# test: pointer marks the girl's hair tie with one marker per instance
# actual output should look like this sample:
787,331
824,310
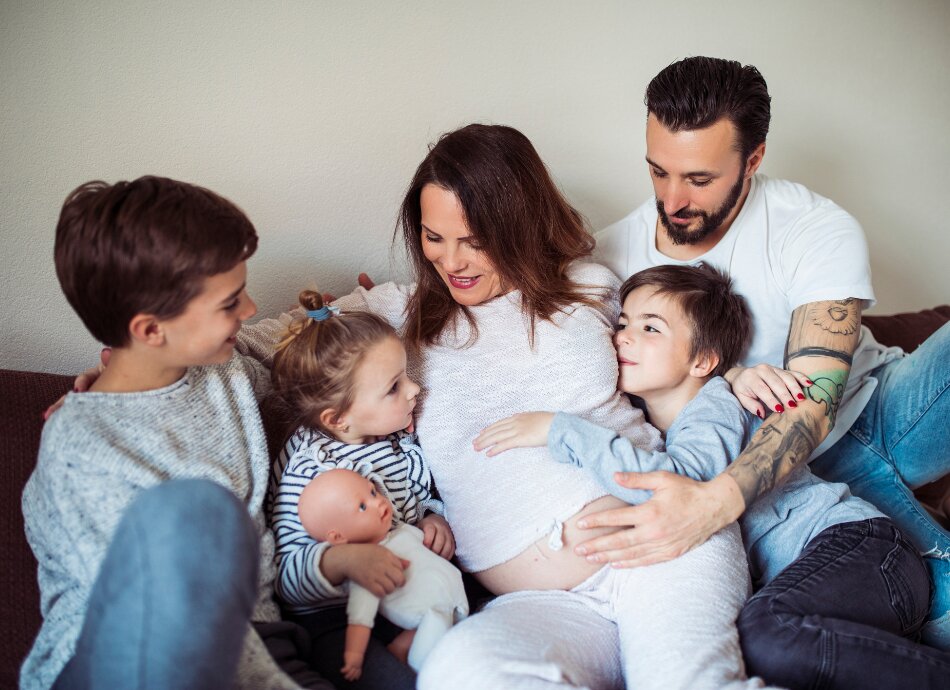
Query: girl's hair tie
323,313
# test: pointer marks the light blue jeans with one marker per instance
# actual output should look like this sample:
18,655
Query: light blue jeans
900,442
171,604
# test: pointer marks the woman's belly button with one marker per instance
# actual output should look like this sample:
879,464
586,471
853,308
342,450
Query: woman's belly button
542,567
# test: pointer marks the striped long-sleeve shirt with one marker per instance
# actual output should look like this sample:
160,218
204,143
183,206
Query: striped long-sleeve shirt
395,463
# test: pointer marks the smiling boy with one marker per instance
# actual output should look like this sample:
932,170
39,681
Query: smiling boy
145,508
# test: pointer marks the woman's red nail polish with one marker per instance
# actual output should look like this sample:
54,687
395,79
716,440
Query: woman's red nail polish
779,408
760,414
792,403
801,397
809,383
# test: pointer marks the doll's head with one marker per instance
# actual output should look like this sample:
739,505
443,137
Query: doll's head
343,507
344,373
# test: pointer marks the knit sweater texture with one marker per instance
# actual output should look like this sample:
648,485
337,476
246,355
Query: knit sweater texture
100,450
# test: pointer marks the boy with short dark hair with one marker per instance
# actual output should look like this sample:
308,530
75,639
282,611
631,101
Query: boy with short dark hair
680,327
145,510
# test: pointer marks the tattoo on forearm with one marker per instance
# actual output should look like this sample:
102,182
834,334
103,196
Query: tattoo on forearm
818,352
827,389
772,454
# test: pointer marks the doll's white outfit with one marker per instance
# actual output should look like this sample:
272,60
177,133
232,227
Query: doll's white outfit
430,602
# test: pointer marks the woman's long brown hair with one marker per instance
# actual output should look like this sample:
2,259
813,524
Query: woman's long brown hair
516,214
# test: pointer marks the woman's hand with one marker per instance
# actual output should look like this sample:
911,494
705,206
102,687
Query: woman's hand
371,566
682,514
764,388
437,535
525,430
84,380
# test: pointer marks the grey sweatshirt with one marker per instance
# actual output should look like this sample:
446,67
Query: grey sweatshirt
100,450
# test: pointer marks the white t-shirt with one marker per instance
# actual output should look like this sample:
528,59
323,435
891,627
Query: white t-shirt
787,247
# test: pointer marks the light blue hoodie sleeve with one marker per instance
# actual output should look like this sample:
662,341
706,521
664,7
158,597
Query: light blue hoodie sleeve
704,438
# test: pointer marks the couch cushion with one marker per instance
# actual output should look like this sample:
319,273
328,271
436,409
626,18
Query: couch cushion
24,397
909,329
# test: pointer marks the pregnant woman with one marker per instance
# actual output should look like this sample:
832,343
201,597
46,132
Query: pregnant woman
505,317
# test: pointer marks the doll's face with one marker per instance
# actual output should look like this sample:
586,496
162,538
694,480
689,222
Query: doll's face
343,507
365,514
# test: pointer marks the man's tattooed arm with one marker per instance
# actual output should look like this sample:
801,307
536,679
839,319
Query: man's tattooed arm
821,342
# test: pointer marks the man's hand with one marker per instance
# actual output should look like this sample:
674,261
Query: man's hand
437,535
682,514
525,430
764,388
363,280
84,380
371,566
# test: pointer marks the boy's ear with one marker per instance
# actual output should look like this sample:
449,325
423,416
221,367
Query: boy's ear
704,364
334,537
146,329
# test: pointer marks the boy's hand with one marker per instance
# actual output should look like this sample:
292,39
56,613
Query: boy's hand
371,566
525,430
437,535
84,380
764,388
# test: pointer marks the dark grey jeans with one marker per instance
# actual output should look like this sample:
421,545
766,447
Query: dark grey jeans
845,615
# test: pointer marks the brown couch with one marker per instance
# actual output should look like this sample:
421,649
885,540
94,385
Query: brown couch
25,395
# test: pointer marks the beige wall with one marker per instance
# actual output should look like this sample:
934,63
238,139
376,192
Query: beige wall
313,115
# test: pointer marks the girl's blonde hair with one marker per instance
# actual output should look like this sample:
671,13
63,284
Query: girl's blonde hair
316,362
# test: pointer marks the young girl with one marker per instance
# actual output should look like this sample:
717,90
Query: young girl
342,377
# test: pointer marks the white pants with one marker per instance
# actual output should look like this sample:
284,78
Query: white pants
665,626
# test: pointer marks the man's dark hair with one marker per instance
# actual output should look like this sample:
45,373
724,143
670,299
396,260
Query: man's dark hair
719,319
143,247
697,92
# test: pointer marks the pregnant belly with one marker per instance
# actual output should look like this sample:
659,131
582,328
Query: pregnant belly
541,567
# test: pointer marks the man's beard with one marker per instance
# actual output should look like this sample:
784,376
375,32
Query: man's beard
679,234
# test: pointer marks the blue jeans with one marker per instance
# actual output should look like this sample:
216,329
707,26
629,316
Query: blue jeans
176,589
900,442
842,614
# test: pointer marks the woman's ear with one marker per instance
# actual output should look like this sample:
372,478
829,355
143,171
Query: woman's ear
704,364
146,329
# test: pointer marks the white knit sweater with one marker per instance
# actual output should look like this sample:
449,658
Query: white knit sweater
498,507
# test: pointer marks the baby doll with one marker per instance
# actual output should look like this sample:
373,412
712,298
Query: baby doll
341,506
